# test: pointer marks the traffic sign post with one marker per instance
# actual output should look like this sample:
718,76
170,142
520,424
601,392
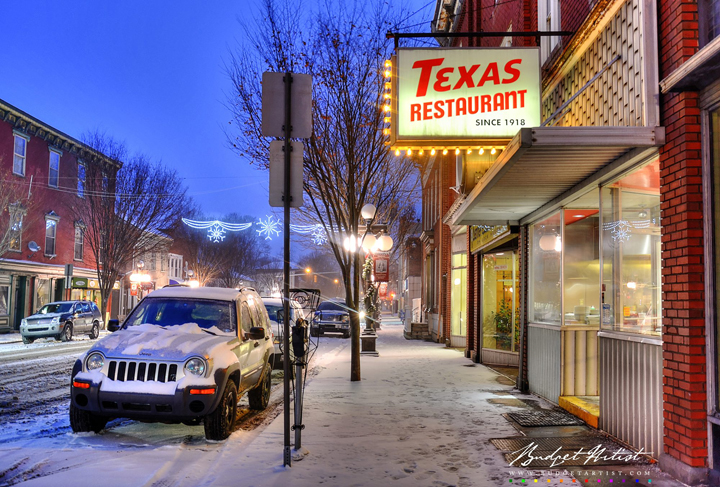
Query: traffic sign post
292,118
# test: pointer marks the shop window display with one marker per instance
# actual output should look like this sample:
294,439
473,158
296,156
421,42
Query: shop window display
581,256
501,317
631,253
458,324
545,271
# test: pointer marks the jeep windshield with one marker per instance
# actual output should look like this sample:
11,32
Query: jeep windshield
175,311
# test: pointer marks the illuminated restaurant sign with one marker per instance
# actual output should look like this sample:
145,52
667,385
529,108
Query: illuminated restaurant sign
464,94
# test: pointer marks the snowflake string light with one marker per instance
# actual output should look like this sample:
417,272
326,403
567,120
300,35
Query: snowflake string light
216,229
216,233
319,236
621,230
269,227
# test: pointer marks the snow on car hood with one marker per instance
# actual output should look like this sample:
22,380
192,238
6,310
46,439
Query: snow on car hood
46,316
167,343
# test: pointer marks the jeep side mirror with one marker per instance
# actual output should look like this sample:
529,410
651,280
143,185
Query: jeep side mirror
256,333
113,325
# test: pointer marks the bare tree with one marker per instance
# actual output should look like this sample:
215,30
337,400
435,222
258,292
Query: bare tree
347,162
15,202
128,203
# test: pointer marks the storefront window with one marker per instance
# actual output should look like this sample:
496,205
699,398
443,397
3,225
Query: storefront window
458,295
715,170
42,292
545,271
501,327
631,253
581,254
4,299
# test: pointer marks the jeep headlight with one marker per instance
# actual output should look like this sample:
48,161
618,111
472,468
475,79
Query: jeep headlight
55,320
95,361
196,366
23,323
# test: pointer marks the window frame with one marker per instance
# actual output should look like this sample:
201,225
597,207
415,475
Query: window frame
23,157
15,210
548,20
81,229
81,181
56,220
58,153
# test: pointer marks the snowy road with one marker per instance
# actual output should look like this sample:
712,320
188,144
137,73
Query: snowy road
34,400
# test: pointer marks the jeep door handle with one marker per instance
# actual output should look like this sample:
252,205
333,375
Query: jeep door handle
257,344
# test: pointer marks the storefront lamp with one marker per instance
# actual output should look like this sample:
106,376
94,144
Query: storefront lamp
369,243
385,243
550,242
368,212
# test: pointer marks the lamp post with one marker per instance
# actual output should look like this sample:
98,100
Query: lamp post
369,242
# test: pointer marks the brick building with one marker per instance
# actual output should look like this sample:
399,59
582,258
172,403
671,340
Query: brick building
48,166
610,207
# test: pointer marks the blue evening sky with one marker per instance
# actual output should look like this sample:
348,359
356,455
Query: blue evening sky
149,73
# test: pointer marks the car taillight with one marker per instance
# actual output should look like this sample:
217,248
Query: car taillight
81,385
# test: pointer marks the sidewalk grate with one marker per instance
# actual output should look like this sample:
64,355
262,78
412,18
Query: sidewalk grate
545,417
578,451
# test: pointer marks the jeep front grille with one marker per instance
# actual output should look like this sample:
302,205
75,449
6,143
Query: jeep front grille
127,370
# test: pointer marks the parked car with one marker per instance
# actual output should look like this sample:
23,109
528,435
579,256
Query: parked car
275,310
61,320
182,355
332,316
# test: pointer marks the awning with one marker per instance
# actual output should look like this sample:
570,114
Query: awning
701,70
543,167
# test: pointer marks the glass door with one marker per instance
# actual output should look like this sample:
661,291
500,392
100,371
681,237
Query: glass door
500,314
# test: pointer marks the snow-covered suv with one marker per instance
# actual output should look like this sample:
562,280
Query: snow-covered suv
182,355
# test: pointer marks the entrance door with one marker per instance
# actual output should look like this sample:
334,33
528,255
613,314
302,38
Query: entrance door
20,305
500,318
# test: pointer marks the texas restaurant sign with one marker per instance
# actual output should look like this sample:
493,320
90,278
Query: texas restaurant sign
461,95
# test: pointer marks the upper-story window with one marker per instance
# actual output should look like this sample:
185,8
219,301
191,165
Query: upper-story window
710,20
16,223
51,222
79,241
81,180
548,20
20,154
54,169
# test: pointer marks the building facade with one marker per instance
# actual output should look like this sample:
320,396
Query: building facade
593,235
46,170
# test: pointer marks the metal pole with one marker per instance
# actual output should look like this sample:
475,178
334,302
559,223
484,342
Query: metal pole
298,404
287,457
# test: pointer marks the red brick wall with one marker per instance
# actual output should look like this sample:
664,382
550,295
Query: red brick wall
684,370
45,199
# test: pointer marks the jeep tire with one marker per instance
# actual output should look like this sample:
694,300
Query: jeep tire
27,340
221,422
259,397
82,421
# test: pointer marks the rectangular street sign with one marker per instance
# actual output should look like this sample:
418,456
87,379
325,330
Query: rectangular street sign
273,105
277,172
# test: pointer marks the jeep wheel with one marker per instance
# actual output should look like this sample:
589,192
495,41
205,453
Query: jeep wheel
313,332
67,333
95,332
221,422
346,334
82,421
259,397
27,340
